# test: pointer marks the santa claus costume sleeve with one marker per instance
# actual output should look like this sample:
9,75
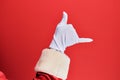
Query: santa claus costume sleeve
54,63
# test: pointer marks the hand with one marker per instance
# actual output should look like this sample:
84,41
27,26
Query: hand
65,35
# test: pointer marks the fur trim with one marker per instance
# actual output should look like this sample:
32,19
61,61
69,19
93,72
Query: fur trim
54,63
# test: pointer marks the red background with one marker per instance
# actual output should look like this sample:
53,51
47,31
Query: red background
27,26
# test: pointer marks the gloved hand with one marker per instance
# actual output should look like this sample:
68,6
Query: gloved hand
65,35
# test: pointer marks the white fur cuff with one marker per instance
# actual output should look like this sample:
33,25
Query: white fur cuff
54,63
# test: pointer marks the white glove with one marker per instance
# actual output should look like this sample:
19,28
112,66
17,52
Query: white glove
65,35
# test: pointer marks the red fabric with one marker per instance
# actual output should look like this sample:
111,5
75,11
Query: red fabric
45,76
2,76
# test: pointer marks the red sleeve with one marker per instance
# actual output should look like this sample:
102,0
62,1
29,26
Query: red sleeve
45,76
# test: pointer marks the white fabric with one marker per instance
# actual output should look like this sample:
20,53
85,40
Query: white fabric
65,35
53,63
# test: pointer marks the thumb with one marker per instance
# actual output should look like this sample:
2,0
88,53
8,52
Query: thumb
84,40
64,18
